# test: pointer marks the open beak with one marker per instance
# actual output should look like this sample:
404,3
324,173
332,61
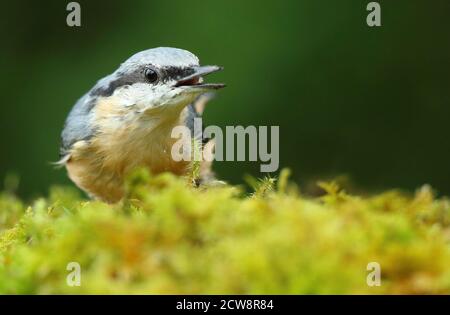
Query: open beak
194,81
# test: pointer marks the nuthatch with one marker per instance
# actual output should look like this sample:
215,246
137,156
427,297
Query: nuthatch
125,120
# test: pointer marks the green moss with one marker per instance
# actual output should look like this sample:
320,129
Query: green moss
168,237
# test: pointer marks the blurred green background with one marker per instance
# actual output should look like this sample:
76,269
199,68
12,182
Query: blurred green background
371,103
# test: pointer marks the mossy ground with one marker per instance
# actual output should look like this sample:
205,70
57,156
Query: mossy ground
169,237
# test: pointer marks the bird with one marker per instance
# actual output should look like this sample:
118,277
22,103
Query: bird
125,120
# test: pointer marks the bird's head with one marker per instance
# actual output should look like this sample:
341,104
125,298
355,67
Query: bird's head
157,80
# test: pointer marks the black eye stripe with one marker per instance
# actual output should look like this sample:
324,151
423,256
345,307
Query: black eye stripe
175,73
164,74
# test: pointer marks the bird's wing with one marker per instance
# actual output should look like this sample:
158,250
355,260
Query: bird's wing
77,126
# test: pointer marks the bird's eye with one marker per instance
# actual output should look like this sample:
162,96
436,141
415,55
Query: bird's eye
151,75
